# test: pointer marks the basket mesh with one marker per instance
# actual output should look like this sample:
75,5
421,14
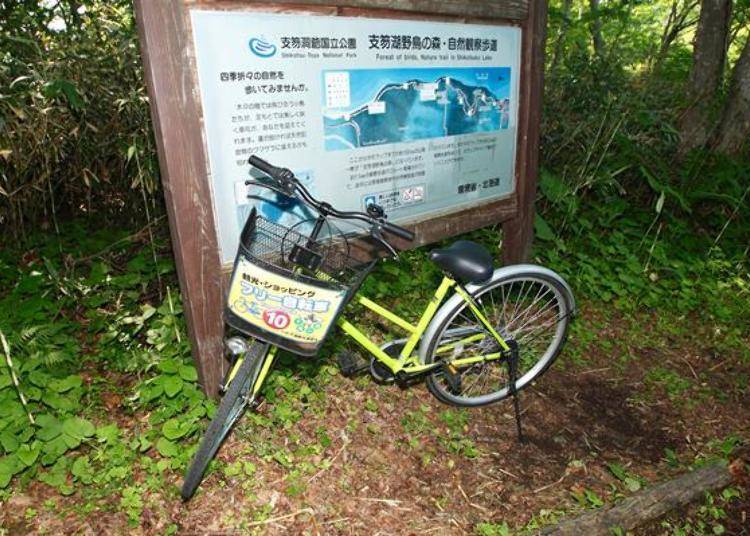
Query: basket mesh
273,243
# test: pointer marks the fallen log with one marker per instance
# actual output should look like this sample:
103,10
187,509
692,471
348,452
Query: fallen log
648,504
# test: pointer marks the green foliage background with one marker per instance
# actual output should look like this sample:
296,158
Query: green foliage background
75,132
88,305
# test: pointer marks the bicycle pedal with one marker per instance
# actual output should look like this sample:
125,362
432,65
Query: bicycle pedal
351,364
453,378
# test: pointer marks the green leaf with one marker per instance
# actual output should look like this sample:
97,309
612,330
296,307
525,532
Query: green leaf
8,467
78,428
81,469
618,471
108,433
70,441
593,498
172,385
8,441
39,378
169,366
28,454
552,187
57,401
65,384
167,448
66,88
53,450
188,373
144,444
5,381
151,392
542,229
56,477
174,429
49,429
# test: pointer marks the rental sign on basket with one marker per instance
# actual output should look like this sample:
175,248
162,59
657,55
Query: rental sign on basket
282,307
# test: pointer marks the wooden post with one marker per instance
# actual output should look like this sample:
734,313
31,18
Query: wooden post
175,110
518,232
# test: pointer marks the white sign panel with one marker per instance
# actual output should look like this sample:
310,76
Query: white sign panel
419,117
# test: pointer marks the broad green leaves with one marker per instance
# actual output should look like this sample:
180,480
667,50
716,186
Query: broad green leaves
172,385
542,230
175,429
188,373
27,454
73,443
167,448
8,467
78,428
49,427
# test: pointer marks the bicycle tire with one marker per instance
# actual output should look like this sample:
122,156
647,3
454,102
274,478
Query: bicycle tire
541,365
230,408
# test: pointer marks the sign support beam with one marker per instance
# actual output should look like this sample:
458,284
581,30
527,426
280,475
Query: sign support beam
518,232
182,162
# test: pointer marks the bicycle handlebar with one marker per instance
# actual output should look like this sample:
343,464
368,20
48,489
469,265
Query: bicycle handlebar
406,234
262,165
285,181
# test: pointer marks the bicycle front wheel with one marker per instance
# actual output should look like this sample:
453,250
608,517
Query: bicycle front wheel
241,392
531,307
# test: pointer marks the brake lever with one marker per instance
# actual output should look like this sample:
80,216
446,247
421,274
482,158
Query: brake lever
377,234
273,187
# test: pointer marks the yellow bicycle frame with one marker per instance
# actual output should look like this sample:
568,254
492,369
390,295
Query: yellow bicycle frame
268,359
407,361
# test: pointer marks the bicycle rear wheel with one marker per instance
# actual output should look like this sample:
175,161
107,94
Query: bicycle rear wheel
241,392
531,307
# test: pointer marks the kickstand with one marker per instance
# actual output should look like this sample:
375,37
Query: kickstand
513,376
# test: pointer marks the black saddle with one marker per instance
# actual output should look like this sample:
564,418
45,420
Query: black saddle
466,261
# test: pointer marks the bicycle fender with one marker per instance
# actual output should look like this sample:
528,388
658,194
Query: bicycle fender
473,288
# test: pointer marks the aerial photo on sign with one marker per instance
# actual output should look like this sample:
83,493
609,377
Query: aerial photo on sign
365,107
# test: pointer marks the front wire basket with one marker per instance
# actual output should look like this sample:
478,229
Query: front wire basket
288,291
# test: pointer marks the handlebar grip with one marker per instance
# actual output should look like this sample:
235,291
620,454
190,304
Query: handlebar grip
406,234
262,165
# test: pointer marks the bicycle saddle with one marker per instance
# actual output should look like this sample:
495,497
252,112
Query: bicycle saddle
466,261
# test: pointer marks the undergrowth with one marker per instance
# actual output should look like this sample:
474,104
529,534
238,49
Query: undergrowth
96,337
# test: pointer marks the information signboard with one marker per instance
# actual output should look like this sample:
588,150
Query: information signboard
418,117
430,108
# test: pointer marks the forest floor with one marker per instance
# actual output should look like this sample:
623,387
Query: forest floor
637,396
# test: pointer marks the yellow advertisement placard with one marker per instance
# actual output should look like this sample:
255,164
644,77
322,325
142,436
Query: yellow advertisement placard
284,307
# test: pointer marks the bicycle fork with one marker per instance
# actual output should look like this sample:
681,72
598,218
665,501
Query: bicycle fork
238,347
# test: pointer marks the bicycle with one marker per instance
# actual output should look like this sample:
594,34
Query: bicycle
499,331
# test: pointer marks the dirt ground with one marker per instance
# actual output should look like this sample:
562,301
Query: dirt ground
397,463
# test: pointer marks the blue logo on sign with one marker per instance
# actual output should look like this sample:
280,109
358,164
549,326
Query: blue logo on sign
262,48
369,200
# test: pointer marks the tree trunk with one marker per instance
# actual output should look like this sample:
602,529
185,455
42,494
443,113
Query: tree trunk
596,29
709,55
734,128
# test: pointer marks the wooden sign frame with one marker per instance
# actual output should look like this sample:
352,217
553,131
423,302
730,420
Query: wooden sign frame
169,60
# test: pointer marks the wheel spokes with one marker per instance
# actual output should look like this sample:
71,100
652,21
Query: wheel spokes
528,310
